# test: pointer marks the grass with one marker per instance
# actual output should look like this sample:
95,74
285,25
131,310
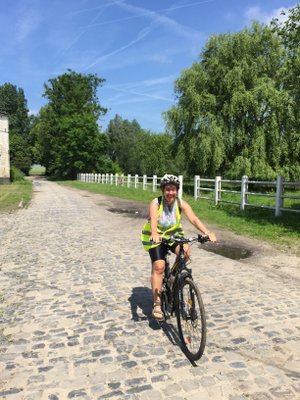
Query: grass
13,194
37,170
253,222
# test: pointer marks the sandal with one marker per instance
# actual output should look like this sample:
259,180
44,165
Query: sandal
158,315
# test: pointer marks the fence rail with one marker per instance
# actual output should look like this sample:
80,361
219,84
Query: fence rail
218,188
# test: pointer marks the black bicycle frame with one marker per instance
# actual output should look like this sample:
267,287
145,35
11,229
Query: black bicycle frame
181,272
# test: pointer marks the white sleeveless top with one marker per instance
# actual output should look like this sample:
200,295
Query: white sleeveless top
168,216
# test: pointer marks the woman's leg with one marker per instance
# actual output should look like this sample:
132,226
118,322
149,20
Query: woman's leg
187,251
158,268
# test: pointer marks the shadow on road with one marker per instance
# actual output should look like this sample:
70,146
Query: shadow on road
141,309
141,305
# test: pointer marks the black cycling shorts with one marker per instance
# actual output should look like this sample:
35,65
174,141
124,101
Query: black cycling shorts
159,252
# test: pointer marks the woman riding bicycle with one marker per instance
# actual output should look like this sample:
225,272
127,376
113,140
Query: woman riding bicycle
164,221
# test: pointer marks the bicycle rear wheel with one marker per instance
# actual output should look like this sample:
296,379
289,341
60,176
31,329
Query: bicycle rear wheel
191,320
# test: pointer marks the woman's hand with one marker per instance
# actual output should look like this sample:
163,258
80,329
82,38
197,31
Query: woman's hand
212,236
155,237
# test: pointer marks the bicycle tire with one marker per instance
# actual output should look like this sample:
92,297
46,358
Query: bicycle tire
191,320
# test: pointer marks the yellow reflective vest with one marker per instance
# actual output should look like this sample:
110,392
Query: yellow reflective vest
162,231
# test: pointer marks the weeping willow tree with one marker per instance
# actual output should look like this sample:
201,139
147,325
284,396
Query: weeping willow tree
233,114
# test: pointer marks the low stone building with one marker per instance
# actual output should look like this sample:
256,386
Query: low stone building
4,149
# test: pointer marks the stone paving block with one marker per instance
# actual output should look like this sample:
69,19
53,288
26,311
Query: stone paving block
75,317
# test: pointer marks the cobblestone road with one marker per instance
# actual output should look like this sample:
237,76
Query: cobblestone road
75,305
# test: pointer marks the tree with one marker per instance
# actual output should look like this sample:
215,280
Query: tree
231,108
138,151
13,101
122,136
153,155
289,34
66,132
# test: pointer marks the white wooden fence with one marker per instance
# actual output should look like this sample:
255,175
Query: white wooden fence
145,182
202,186
276,191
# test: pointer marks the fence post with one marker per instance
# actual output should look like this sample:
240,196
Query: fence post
136,181
217,189
116,179
244,190
128,180
196,180
154,186
180,177
144,182
279,195
111,179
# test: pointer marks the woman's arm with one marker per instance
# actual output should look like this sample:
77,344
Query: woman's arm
194,220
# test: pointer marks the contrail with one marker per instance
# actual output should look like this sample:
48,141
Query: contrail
157,19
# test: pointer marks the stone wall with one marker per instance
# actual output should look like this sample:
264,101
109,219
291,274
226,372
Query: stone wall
4,149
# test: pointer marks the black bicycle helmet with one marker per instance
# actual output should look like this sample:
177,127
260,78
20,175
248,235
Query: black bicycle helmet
169,180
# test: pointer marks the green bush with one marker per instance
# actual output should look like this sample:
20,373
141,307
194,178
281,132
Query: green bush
16,175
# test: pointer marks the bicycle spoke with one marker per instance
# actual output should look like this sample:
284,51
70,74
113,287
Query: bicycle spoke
191,320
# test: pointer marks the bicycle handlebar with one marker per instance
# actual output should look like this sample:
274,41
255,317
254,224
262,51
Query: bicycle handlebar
182,240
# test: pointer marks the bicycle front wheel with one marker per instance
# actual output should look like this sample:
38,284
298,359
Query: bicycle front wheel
191,320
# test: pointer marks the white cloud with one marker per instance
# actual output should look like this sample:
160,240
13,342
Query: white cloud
257,14
33,112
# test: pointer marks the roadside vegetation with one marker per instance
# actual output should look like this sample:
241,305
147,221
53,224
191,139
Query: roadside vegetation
15,195
37,170
257,223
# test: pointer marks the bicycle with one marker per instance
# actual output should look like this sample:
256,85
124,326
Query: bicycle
180,295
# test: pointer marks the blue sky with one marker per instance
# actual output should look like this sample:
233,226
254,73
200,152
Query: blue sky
138,46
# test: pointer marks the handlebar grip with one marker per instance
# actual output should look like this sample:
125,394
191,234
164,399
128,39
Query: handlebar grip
203,238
